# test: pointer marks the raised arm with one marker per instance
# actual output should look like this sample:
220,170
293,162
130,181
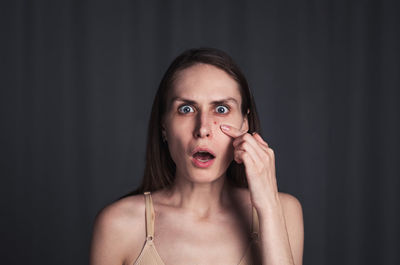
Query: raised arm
280,215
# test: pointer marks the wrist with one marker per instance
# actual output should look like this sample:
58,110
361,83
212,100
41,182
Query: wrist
270,207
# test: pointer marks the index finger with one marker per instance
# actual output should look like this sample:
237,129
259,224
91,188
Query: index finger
231,131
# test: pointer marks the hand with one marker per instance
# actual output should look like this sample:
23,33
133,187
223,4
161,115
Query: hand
259,162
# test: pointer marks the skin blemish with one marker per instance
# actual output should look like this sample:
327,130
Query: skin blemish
215,122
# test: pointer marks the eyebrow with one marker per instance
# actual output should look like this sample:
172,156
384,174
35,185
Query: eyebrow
192,102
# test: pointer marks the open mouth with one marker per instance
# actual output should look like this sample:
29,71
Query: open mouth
203,156
203,159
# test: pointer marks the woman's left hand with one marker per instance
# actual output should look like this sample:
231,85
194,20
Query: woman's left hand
259,162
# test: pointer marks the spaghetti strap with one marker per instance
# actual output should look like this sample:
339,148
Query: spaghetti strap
149,216
255,224
149,253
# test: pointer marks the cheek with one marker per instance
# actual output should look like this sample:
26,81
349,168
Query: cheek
177,145
233,120
177,136
227,150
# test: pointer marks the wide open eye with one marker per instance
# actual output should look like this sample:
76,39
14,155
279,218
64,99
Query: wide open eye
221,109
185,109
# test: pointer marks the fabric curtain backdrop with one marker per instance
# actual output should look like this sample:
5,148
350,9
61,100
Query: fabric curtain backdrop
78,82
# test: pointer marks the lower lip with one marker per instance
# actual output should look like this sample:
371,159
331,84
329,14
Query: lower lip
198,163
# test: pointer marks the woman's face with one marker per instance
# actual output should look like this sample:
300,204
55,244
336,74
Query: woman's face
203,97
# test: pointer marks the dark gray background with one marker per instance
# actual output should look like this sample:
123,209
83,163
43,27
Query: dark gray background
78,82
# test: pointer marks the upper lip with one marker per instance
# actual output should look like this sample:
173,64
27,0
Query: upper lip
204,149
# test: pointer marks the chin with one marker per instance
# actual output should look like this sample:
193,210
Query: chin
203,176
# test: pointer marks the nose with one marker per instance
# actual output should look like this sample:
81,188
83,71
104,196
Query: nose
203,126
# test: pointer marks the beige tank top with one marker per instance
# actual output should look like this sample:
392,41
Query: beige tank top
149,254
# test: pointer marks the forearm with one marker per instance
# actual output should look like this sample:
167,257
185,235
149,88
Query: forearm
274,240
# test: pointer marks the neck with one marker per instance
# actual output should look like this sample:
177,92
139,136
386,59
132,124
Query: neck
201,200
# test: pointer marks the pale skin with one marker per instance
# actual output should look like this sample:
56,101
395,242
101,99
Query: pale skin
201,219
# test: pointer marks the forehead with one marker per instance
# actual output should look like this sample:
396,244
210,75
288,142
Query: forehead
204,82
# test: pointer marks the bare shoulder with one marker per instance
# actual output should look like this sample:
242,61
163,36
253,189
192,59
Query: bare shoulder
293,213
118,231
290,203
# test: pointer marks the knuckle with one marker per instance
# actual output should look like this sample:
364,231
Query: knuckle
246,136
271,151
245,145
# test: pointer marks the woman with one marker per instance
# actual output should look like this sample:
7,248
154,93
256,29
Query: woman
209,180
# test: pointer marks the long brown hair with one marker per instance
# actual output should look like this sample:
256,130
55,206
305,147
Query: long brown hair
159,169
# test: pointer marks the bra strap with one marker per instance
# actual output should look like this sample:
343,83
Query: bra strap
149,216
255,225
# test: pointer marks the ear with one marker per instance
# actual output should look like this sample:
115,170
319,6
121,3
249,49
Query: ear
245,124
163,132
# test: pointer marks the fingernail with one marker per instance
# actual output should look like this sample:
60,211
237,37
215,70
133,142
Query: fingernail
225,127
